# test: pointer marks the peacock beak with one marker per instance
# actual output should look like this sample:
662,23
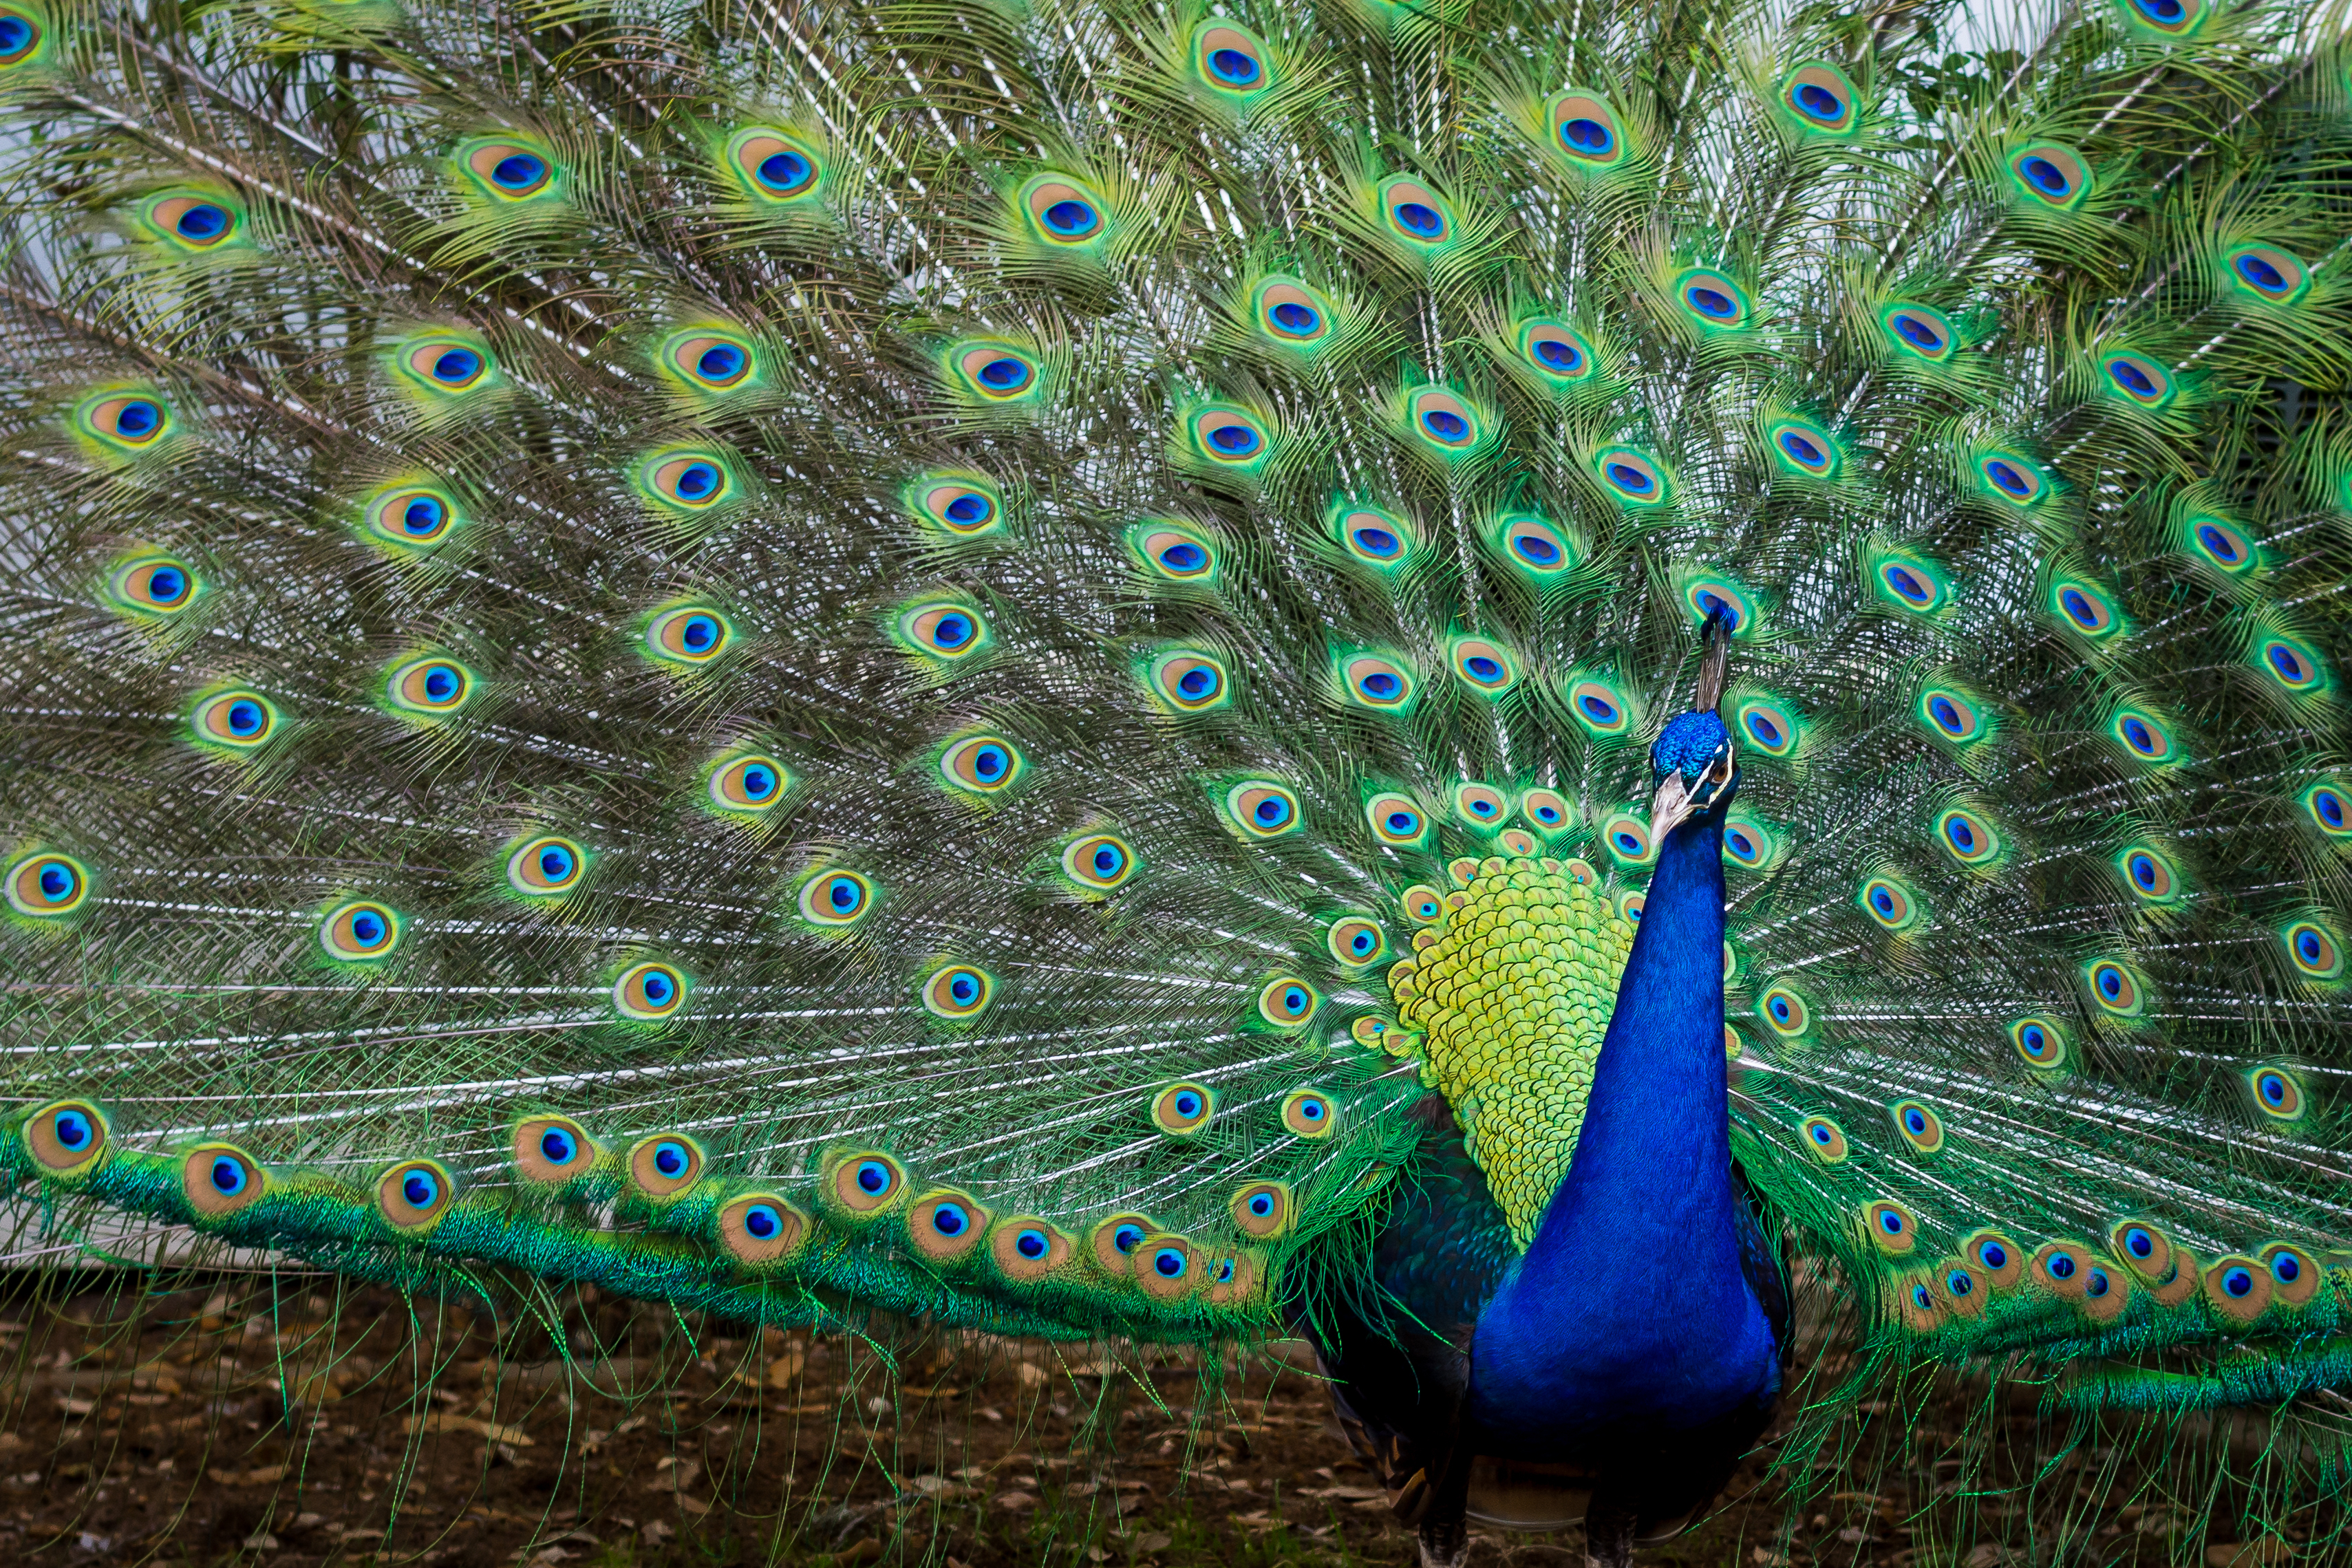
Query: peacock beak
1669,807
1678,797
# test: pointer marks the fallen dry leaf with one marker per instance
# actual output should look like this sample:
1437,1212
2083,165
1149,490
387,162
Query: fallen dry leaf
449,1421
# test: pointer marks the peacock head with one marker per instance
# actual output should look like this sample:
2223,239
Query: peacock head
1691,764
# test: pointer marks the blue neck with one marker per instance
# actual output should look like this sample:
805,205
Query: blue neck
1631,1307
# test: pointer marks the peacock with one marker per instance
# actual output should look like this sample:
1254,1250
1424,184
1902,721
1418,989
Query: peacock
1498,683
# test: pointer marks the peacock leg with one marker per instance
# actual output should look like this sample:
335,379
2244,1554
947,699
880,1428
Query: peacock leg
1444,1543
1608,1535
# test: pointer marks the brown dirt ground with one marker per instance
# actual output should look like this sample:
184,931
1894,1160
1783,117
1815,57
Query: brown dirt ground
275,1423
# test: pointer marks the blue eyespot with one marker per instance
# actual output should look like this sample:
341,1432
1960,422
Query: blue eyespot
137,418
245,717
1418,218
2047,177
696,481
422,517
560,1147
1918,332
2009,479
990,762
1185,556
1959,1281
1188,1104
367,928
456,367
228,1176
758,782
1445,424
1559,355
950,1219
2131,378
1632,480
1198,684
1994,1256
201,222
784,171
1820,102
1127,1237
1007,374
1890,1222
1261,1204
1536,549
1032,1244
761,1222
874,1177
1233,66
17,38
1589,137
2140,1243
1169,1263
2256,270
420,1189
1766,733
2285,1269
964,990
1235,440
2061,1265
2097,1285
2218,544
1916,1122
658,986
2237,1283
1070,216
519,171
1108,860
721,363
671,1160
1380,685
1712,303
1378,543
971,508
1272,811
72,1131
1598,709
1296,318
